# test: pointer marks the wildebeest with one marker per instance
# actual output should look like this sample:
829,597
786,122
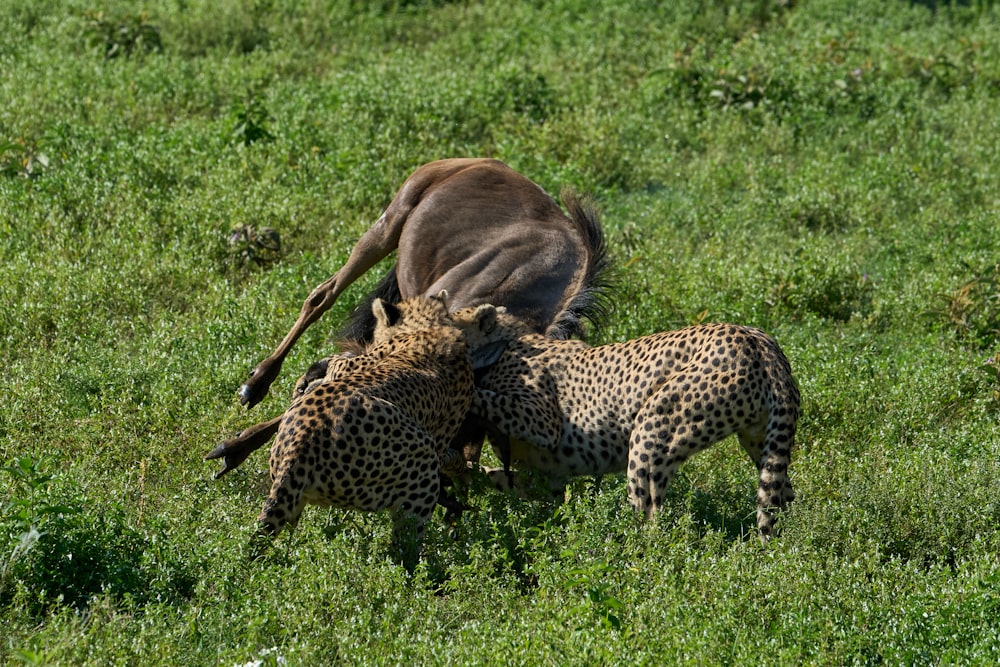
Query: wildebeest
481,231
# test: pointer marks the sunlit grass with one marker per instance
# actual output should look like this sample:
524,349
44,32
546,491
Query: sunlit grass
827,171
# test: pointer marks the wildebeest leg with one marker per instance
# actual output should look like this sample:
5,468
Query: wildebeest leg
374,245
381,239
235,451
452,504
465,448
501,445
469,441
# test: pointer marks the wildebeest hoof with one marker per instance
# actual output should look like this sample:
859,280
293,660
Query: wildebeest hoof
248,397
257,385
235,451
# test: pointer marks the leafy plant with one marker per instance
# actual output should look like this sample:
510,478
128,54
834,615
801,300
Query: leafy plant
944,71
125,35
23,515
972,309
832,292
739,91
17,158
65,552
992,367
260,246
604,606
523,91
250,118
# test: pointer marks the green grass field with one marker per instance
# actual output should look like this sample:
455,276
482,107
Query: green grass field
826,170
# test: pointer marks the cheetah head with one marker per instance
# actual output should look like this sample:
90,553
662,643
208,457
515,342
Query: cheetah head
416,314
488,330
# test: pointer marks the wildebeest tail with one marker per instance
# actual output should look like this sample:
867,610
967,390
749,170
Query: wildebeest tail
592,301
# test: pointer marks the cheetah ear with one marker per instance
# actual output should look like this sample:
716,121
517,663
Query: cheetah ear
442,296
386,314
486,318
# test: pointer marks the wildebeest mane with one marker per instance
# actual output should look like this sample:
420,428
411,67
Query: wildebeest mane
361,322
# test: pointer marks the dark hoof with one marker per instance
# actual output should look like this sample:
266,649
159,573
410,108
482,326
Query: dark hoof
251,395
257,385
235,451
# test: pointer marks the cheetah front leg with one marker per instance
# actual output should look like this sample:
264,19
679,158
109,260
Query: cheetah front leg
409,519
531,417
285,503
527,416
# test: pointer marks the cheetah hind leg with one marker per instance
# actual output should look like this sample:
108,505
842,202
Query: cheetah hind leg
769,450
658,447
409,519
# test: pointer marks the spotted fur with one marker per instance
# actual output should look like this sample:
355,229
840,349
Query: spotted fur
371,434
643,406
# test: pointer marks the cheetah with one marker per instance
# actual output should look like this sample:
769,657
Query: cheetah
642,406
356,357
370,434
235,450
